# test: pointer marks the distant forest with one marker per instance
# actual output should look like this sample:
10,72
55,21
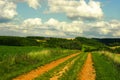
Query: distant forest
110,41
79,43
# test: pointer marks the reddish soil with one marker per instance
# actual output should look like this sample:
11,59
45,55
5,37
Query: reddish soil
40,70
57,75
88,71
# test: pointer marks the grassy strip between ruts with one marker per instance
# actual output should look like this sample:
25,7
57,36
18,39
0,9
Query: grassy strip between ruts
19,60
72,73
105,68
57,69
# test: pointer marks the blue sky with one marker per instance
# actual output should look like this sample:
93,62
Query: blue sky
60,18
111,9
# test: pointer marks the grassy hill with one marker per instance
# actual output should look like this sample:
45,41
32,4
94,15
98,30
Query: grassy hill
110,41
79,43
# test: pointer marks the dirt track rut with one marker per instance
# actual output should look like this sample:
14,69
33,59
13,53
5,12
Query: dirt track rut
64,69
88,71
40,70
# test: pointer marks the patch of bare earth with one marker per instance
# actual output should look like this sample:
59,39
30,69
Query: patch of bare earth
57,75
88,71
40,70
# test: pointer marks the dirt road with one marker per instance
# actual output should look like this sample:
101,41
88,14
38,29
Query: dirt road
40,70
58,74
88,71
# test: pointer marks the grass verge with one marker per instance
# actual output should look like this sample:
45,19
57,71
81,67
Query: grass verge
105,68
114,57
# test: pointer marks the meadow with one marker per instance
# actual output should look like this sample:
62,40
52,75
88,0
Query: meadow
16,60
66,58
106,66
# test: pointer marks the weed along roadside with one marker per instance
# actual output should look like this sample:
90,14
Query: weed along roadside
35,73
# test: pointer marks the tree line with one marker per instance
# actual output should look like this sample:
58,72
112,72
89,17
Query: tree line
79,43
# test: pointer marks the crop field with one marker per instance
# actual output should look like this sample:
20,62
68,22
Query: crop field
38,63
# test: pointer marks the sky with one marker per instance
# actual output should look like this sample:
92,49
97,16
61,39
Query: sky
60,18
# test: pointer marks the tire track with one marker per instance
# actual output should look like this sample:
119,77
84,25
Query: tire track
65,68
88,71
40,70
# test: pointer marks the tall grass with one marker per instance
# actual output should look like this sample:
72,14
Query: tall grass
114,57
18,60
105,68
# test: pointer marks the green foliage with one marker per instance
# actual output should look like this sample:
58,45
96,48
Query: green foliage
88,41
105,68
63,43
117,50
90,44
77,43
110,41
36,37
17,41
18,60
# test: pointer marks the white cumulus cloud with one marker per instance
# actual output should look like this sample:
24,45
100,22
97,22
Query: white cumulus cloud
32,22
75,26
7,10
56,28
29,24
52,22
33,3
76,9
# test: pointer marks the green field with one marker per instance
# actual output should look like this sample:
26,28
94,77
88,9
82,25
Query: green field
18,60
15,61
106,68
